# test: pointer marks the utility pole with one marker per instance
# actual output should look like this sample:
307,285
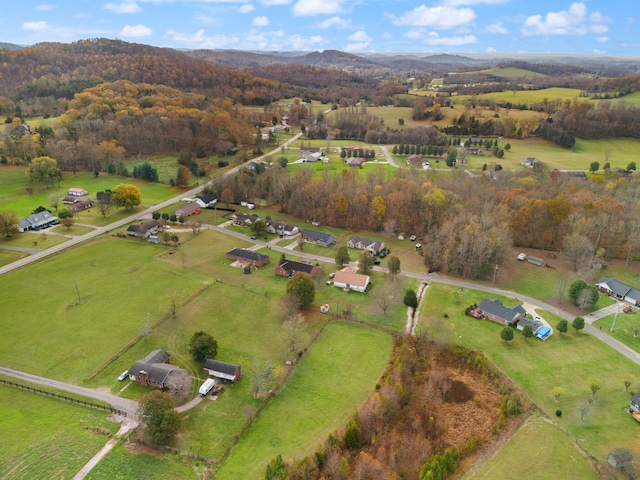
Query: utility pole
77,291
615,317
495,272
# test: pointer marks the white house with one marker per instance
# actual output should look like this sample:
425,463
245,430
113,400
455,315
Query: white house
349,280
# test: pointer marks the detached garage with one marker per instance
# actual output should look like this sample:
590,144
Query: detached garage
223,370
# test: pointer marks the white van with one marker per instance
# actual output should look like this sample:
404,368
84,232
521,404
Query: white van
207,386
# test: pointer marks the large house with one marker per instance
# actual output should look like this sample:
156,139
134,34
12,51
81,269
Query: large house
37,221
311,155
77,192
415,159
143,230
496,311
354,161
619,290
282,228
248,257
79,205
207,200
348,280
288,268
319,238
155,370
361,243
244,219
223,370
188,209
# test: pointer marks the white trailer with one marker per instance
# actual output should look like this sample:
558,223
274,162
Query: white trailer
207,386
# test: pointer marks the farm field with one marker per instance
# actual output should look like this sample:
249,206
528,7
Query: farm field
43,437
511,72
533,365
530,457
37,240
14,196
337,374
527,97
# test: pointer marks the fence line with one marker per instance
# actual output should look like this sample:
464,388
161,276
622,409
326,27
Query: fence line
64,397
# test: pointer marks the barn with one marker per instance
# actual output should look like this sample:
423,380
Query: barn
223,370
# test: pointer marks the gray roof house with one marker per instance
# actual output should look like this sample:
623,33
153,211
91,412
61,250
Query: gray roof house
37,221
496,311
248,256
143,230
614,288
207,200
223,370
361,243
154,370
319,238
281,228
244,219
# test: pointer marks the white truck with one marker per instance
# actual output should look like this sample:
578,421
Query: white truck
207,386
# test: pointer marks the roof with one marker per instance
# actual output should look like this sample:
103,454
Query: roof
224,369
157,356
189,208
616,287
367,242
318,236
415,158
80,204
636,399
247,254
77,190
156,372
144,227
293,266
494,307
37,219
208,198
244,217
284,227
350,278
354,161
535,326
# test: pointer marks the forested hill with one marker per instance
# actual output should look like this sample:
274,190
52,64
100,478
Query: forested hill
48,69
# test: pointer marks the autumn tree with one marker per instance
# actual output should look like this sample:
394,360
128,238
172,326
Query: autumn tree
161,422
108,151
43,170
378,209
587,297
202,345
126,195
303,286
227,197
342,256
8,223
578,248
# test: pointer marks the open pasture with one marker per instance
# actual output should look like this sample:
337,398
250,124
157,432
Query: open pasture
510,72
335,376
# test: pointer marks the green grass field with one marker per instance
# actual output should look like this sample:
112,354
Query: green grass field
43,437
14,196
119,464
511,72
539,450
526,97
36,240
625,329
337,374
571,361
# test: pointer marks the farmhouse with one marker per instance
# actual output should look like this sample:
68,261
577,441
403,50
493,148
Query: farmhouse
77,192
288,268
143,230
282,228
306,156
69,199
530,162
494,310
248,257
37,221
223,370
244,219
362,243
155,370
614,288
81,205
319,238
348,280
191,208
415,159
473,151
207,201
354,161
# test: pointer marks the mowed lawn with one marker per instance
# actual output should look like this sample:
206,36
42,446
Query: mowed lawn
336,375
14,184
572,361
539,450
43,437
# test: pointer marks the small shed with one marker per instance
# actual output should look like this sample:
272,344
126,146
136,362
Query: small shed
154,239
535,261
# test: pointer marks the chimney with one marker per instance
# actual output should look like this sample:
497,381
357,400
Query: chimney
143,377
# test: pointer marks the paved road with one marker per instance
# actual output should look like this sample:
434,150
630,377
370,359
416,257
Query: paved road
30,251
388,156
129,406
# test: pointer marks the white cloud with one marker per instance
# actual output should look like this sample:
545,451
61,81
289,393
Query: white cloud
246,8
124,7
386,36
496,28
317,7
135,31
35,26
491,50
441,17
197,37
465,3
275,2
46,7
415,34
254,40
335,22
574,21
260,21
602,39
359,41
433,39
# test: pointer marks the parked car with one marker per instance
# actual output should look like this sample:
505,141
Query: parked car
123,375
412,238
418,246
332,274
537,319
522,256
628,309
253,237
376,262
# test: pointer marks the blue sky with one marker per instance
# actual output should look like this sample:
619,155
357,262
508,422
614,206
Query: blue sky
452,26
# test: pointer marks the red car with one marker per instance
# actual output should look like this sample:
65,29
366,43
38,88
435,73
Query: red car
628,309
